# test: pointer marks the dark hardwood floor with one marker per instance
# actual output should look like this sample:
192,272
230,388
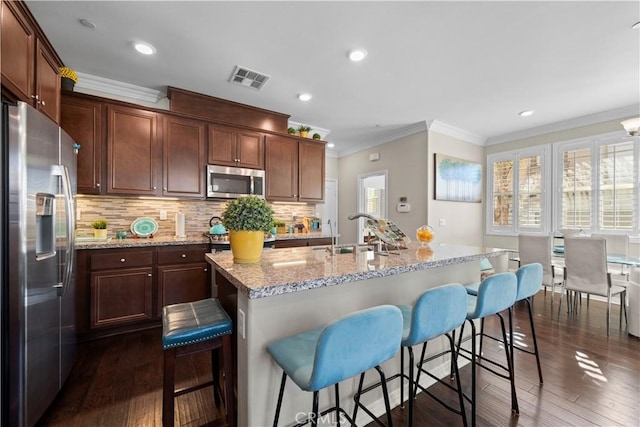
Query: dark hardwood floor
589,379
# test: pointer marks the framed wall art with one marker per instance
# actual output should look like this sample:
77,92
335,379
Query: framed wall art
457,180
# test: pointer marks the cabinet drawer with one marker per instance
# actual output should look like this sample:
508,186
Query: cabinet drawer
121,259
186,254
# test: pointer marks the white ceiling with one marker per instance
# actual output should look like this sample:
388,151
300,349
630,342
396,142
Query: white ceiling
468,65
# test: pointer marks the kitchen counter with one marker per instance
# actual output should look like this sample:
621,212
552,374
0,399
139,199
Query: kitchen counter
296,289
297,269
132,242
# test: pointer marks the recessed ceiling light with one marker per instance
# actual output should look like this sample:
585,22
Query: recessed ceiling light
87,23
357,54
331,145
636,25
144,48
305,97
526,113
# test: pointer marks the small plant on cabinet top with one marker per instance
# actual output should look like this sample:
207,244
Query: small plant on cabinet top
250,213
316,136
99,224
291,131
69,73
303,128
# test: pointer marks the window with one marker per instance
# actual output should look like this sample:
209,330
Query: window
518,183
599,185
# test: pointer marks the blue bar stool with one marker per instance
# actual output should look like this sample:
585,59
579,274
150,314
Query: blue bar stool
190,328
437,312
495,294
530,278
348,346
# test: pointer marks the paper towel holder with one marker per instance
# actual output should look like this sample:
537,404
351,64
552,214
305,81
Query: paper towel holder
180,226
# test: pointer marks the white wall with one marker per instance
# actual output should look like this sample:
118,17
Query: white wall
406,161
464,221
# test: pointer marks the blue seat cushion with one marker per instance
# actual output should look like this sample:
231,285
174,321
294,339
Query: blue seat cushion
192,322
346,347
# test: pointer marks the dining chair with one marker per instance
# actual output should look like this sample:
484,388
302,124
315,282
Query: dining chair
586,272
617,244
537,249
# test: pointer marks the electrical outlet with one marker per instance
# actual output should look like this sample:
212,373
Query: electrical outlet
241,324
163,214
442,222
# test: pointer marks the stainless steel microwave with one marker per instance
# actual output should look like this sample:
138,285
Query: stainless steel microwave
227,182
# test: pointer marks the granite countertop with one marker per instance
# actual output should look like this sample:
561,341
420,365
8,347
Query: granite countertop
282,271
131,242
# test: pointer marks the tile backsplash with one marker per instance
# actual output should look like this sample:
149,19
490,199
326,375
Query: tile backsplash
120,212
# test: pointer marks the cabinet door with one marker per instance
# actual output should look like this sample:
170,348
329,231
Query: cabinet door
182,283
250,149
133,152
121,296
82,120
47,83
183,157
222,145
281,168
311,158
17,41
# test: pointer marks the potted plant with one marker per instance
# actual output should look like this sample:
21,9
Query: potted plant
280,226
68,78
291,131
316,136
303,130
100,228
247,219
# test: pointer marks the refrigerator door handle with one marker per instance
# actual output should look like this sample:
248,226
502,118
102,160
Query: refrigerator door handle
63,171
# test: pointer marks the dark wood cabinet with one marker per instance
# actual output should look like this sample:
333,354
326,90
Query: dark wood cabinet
311,170
82,120
184,160
296,243
133,151
30,67
121,287
183,275
229,146
294,170
124,289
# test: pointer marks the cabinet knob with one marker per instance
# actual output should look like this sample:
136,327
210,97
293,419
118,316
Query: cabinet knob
149,274
164,188
206,270
154,187
184,255
122,260
42,103
98,184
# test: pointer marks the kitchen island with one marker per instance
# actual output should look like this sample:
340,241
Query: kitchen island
293,290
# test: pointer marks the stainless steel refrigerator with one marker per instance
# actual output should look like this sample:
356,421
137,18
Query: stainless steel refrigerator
38,262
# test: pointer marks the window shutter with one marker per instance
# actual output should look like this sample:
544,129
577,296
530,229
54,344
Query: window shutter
530,192
616,179
502,193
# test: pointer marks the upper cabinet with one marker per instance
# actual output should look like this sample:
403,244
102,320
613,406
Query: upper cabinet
133,151
82,120
183,157
29,65
295,169
229,146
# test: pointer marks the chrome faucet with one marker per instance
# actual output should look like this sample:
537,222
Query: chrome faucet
333,249
361,215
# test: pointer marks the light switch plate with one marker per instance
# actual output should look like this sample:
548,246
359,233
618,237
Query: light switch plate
163,215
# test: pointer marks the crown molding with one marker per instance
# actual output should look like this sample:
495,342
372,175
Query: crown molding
385,136
590,119
454,132
119,89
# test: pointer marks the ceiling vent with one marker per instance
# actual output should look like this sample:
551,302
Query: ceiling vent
248,78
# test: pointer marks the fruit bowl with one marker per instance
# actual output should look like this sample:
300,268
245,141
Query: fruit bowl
425,234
